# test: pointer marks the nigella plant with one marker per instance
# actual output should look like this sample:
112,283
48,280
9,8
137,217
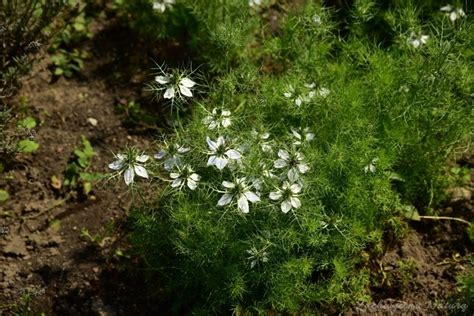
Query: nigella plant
175,86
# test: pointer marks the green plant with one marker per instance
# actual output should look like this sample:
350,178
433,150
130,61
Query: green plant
306,145
77,175
67,63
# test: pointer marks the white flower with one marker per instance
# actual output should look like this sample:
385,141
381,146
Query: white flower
174,154
288,194
217,118
175,85
257,256
453,13
130,164
291,94
294,162
185,176
317,20
371,167
262,138
162,5
220,154
302,136
417,41
242,191
255,3
323,92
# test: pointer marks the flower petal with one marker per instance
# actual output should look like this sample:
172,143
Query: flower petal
228,184
177,183
128,176
211,161
293,175
161,154
142,158
275,196
116,165
225,199
280,163
174,175
185,91
243,204
303,168
192,184
212,144
162,79
295,202
186,82
221,162
195,177
295,188
285,206
283,154
169,93
252,197
141,171
226,122
183,150
233,154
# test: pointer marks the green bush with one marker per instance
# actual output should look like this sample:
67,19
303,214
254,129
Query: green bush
304,147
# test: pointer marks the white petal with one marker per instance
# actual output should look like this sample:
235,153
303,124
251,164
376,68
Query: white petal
169,93
195,177
285,206
309,137
226,122
303,168
233,154
141,171
162,79
228,184
298,101
220,141
175,175
128,176
185,91
275,196
192,184
452,16
447,8
177,183
293,175
161,154
225,199
221,162
295,202
295,188
183,150
225,113
211,161
243,204
424,38
142,158
116,165
287,94
295,133
252,197
280,163
186,82
283,154
212,144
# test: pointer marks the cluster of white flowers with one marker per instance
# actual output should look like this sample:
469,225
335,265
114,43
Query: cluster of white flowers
162,5
453,13
417,40
302,97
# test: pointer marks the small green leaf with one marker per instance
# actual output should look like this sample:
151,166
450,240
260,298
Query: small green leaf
27,123
58,71
4,195
410,212
27,146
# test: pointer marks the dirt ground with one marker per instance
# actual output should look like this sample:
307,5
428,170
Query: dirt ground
44,255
